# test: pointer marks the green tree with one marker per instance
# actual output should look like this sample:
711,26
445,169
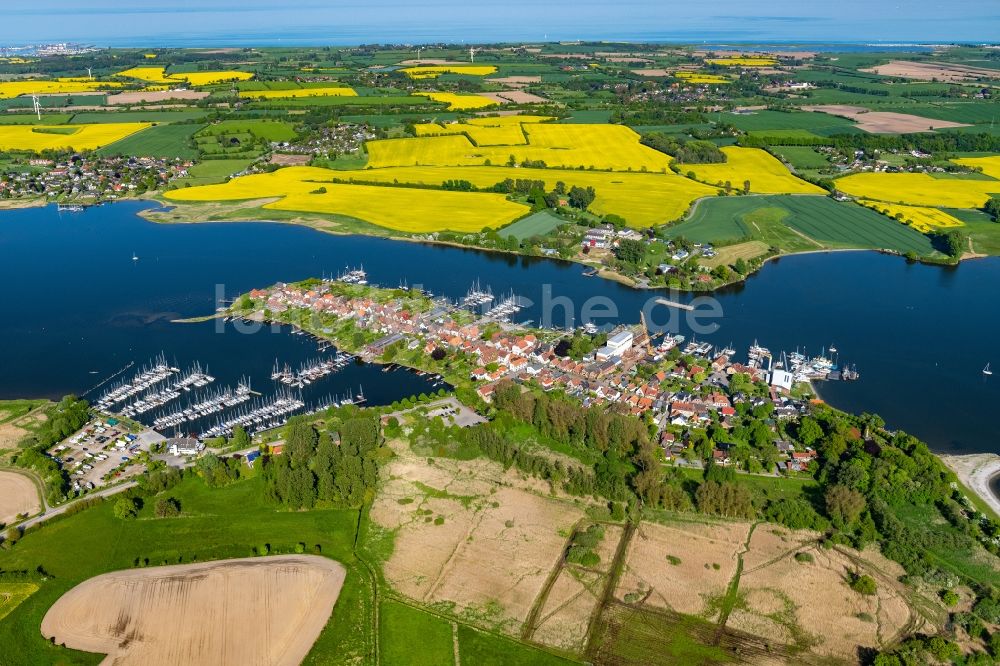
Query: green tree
631,251
844,506
580,197
864,584
240,439
167,508
125,508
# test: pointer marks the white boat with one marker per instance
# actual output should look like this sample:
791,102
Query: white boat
986,370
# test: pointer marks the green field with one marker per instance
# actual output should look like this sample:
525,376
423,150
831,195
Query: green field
801,157
50,101
484,649
13,594
343,100
152,116
212,171
985,112
215,524
241,138
225,523
819,123
537,224
798,223
32,119
158,141
408,635
271,130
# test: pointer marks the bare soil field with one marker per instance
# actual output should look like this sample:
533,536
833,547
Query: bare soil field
471,537
609,544
884,122
628,59
811,603
693,582
519,97
290,160
18,494
495,96
155,96
565,617
928,71
516,81
15,430
248,611
651,72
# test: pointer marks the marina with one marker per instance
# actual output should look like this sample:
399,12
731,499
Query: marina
310,371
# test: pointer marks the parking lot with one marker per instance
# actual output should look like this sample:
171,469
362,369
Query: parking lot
450,410
101,452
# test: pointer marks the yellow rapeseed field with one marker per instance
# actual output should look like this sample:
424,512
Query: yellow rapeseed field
434,71
989,165
921,218
742,62
458,102
402,209
326,91
208,78
10,89
151,74
702,79
643,199
60,137
571,146
766,174
158,75
919,189
500,131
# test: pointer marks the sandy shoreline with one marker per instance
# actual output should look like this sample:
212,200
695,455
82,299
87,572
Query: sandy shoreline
975,471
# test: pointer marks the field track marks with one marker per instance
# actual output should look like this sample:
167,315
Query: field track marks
533,620
734,586
614,575
808,238
428,595
454,644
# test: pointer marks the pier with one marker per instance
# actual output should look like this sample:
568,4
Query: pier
675,304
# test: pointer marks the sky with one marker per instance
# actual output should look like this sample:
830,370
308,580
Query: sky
320,22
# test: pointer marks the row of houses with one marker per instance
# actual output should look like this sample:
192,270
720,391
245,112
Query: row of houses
98,178
680,390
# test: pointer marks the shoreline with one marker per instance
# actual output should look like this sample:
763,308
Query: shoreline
976,471
321,224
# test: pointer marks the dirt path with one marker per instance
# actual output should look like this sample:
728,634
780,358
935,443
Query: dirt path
734,585
454,644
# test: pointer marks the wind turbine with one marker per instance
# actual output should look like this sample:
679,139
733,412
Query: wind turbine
90,74
472,54
419,49
37,106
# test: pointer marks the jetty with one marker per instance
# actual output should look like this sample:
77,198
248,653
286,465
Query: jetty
675,304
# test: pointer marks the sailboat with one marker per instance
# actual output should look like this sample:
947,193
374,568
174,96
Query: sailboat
833,350
986,370
135,257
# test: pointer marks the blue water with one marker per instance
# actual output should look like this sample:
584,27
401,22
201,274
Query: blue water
75,303
317,22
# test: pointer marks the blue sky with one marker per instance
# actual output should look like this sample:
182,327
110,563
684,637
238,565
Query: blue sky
222,22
